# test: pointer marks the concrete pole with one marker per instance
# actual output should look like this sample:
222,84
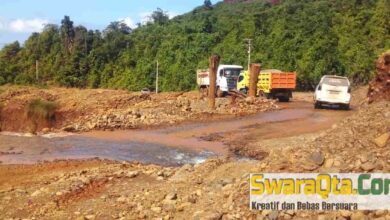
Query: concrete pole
254,78
213,68
157,78
37,70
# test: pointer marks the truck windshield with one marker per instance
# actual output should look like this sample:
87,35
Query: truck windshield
333,81
232,72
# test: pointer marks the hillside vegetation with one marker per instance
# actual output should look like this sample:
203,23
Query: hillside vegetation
312,37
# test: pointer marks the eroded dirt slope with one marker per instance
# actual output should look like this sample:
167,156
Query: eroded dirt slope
84,110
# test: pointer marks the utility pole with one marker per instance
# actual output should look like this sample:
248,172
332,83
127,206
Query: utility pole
157,78
37,61
37,70
249,42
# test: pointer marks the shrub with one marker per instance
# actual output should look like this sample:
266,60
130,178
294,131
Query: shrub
41,110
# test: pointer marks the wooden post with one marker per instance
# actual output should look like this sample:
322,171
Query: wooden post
213,68
254,78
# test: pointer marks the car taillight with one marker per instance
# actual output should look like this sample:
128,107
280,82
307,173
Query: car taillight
349,89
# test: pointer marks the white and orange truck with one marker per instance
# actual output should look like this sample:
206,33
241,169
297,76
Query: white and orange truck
227,79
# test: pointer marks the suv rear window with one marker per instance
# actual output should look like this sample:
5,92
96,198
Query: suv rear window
333,81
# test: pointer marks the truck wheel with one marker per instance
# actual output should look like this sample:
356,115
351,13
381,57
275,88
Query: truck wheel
244,91
345,107
317,105
220,93
284,99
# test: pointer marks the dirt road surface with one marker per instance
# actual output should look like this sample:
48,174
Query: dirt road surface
280,141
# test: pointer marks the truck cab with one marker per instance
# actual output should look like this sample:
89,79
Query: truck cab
227,77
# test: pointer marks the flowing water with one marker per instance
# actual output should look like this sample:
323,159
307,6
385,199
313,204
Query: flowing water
168,146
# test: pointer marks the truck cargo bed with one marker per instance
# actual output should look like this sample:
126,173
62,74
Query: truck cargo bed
286,80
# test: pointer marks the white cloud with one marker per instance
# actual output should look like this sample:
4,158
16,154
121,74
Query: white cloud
27,25
172,14
128,21
145,16
23,25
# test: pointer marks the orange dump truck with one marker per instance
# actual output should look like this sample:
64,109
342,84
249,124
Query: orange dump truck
274,84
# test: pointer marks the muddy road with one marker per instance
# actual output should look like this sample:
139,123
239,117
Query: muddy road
187,143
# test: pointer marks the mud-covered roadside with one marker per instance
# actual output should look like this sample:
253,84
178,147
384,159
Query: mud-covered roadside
216,189
84,110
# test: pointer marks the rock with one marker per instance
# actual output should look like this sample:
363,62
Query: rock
171,196
209,215
199,180
156,209
46,130
363,158
317,158
36,193
132,174
121,199
273,215
309,166
328,163
89,217
321,217
337,163
380,213
69,128
359,216
182,206
226,181
345,213
59,193
161,173
250,100
368,166
382,140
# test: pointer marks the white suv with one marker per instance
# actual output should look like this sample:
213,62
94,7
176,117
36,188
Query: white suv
333,90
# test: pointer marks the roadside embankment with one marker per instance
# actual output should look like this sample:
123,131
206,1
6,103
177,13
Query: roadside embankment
84,110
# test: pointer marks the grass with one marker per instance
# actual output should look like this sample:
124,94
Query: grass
39,110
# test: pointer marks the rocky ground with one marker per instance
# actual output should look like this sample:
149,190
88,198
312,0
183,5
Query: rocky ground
380,87
216,189
84,110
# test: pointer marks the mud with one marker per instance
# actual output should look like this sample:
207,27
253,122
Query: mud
187,143
215,189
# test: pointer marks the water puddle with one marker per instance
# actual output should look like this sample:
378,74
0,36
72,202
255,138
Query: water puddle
28,150
167,146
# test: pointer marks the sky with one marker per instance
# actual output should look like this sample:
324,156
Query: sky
19,18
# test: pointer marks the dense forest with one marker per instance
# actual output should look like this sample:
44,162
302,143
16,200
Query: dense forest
311,37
